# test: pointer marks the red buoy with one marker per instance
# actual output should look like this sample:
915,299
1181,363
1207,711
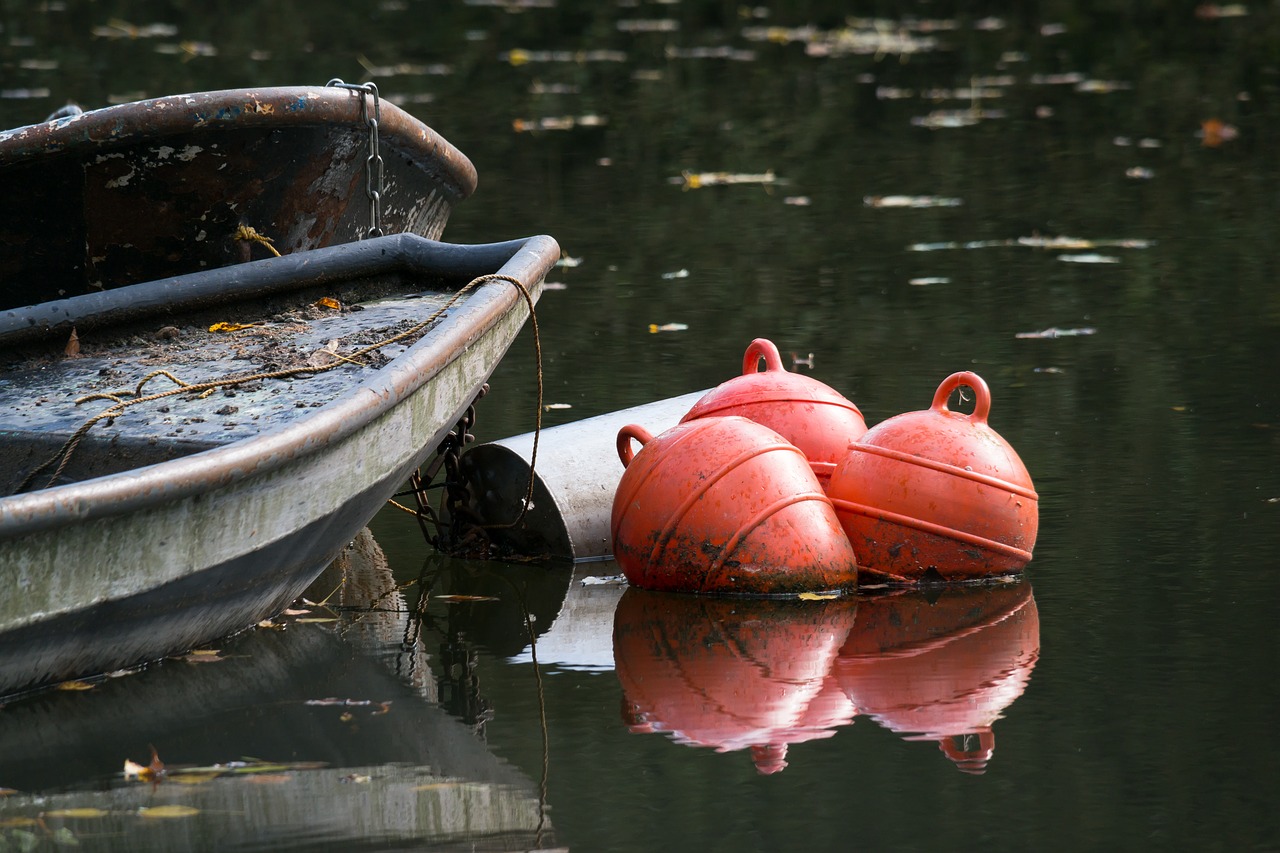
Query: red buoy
810,414
725,505
937,493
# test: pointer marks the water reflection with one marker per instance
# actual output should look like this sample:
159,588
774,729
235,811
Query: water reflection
939,665
358,753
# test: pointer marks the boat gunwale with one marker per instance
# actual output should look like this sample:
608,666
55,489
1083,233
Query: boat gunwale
156,119
128,491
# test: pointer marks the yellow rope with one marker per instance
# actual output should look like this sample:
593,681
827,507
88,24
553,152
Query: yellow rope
249,235
118,407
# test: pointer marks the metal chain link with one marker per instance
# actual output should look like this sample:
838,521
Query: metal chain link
374,169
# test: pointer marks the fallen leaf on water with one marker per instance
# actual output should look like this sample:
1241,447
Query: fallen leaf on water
1089,258
817,596
346,716
76,685
568,262
927,280
654,328
607,579
797,200
549,407
913,201
86,813
680,273
269,779
697,180
174,810
311,619
294,612
152,771
355,778
1214,132
202,656
1139,173
1054,332
13,822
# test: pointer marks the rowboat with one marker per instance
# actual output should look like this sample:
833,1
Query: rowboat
166,186
184,455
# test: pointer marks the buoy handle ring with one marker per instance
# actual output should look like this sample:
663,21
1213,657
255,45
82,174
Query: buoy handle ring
758,349
982,403
625,435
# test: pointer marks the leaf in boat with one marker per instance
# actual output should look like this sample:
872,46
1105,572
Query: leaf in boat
230,327
329,302
73,344
174,810
86,813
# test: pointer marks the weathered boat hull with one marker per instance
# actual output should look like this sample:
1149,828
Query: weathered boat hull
137,564
160,187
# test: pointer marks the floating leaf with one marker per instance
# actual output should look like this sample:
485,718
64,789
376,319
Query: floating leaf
680,273
86,813
314,619
797,200
608,579
817,596
1214,132
697,180
1089,258
927,280
568,262
654,328
76,685
269,779
175,810
356,779
1053,332
549,407
913,201
12,822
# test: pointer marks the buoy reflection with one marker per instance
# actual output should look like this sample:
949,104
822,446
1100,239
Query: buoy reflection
746,674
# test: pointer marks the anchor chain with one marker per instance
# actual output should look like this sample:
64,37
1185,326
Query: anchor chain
374,169
457,529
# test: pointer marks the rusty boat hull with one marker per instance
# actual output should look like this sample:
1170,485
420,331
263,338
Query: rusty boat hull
161,187
190,517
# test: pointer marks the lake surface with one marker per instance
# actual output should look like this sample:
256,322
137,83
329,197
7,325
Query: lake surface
903,195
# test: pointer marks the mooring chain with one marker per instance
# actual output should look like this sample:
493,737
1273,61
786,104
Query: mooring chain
374,168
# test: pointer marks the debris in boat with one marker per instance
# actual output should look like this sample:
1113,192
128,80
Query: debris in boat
76,685
696,180
912,201
231,327
654,328
1054,332
72,349
924,281
328,302
1089,258
680,273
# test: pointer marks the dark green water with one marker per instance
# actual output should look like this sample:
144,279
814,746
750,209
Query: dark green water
1154,441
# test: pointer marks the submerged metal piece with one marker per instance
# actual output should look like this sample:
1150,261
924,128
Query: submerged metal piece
577,473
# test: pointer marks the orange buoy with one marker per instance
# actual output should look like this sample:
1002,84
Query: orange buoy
937,494
942,667
732,674
810,414
725,505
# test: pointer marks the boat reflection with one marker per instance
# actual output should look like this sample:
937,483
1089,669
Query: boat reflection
939,665
361,756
